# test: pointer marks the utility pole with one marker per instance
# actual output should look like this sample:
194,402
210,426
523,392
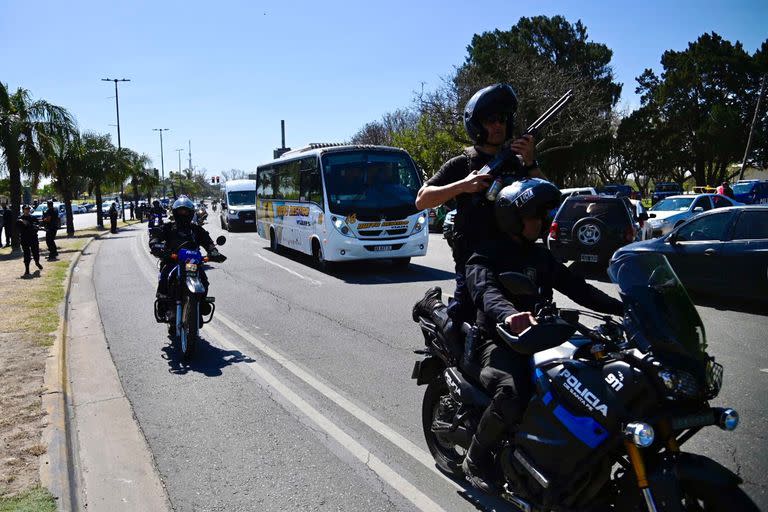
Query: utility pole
178,152
162,161
119,145
752,128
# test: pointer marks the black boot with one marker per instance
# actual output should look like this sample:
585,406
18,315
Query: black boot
478,463
426,305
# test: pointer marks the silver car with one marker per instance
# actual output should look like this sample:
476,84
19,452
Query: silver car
672,211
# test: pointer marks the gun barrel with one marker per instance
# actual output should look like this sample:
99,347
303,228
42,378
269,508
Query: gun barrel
551,111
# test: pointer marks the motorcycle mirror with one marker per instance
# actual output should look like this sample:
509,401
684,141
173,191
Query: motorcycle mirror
517,284
221,240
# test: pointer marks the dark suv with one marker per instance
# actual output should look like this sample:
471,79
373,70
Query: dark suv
663,190
589,229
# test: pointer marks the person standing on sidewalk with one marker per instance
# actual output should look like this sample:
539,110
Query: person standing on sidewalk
27,226
130,207
51,222
7,225
113,218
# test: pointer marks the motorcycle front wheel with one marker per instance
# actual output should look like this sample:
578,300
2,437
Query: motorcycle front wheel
189,326
447,454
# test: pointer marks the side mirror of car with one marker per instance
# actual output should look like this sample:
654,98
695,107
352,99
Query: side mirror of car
672,239
221,240
517,284
643,217
651,215
698,209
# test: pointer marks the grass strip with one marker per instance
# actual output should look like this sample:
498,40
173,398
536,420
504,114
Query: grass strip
37,499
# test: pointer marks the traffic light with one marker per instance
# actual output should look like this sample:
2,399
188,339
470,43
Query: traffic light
213,180
217,179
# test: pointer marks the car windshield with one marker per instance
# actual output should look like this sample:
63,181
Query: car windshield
678,204
371,183
41,208
242,197
660,308
743,188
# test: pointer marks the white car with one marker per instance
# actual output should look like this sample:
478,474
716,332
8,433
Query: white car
672,211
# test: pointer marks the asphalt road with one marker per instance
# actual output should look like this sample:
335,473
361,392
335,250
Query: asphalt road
301,397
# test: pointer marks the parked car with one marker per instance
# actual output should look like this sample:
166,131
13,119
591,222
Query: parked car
77,209
616,190
88,207
436,217
105,208
590,228
751,191
721,252
664,190
448,226
42,208
674,210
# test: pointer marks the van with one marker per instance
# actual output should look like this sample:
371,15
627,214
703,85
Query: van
238,205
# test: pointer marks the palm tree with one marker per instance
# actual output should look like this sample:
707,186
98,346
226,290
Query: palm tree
62,151
23,123
98,166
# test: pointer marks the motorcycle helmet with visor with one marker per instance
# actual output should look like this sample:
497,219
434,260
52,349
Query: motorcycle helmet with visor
495,103
528,198
183,209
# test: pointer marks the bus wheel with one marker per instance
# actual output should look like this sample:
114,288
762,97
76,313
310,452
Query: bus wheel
401,262
318,257
273,245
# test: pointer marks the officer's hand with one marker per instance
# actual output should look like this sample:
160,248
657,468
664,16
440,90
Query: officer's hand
475,182
216,256
525,147
519,322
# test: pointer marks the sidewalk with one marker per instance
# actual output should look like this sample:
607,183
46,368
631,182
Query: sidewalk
32,344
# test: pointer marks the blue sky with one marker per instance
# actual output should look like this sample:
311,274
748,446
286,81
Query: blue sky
224,74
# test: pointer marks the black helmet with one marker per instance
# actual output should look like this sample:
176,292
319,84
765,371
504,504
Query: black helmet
498,98
532,197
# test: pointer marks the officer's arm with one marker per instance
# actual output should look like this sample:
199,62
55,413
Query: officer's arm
485,289
577,289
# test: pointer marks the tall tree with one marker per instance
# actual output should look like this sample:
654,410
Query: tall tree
97,165
706,96
22,123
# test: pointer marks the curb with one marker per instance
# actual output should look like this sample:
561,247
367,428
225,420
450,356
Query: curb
57,468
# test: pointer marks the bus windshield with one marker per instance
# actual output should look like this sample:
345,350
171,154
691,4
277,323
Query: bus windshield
242,197
371,184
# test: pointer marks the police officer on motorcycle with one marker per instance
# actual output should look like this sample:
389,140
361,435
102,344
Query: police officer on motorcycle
489,121
169,238
519,211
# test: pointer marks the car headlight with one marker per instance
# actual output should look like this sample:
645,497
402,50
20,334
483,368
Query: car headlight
232,212
679,384
341,227
419,224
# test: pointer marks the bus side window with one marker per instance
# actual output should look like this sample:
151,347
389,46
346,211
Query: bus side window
311,184
265,190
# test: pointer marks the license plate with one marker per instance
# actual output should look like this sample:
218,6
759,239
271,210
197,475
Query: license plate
248,221
382,248
588,258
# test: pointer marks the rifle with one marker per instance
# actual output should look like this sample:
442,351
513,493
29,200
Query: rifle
494,166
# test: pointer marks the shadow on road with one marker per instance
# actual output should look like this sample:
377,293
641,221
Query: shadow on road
208,360
590,271
373,271
751,307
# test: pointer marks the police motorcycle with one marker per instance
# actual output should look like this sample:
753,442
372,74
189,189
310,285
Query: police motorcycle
186,293
612,405
201,214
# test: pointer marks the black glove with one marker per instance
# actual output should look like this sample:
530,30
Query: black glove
215,255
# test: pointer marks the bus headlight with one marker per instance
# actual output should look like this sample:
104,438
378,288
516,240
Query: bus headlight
342,227
420,223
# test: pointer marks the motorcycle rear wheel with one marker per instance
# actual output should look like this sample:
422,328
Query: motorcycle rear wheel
447,455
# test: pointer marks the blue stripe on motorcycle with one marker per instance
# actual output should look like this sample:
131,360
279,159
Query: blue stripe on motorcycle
547,398
584,428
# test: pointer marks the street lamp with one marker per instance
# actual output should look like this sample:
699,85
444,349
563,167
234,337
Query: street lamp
162,162
119,145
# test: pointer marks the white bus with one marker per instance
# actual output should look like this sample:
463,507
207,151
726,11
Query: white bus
342,203
238,206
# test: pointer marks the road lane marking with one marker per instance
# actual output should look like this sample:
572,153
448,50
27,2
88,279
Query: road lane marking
376,425
318,283
764,370
385,473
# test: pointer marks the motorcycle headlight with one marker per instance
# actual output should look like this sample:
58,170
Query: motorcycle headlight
420,222
342,227
679,384
191,267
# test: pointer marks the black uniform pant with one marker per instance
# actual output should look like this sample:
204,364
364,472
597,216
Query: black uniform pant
31,251
507,378
113,224
50,242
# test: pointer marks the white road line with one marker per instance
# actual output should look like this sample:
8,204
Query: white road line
764,370
388,433
387,474
318,283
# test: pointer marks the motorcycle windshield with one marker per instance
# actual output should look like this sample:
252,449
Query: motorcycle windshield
660,306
